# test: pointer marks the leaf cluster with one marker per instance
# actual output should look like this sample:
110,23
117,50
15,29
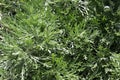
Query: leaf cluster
60,40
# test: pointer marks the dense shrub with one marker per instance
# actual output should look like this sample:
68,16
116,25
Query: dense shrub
60,40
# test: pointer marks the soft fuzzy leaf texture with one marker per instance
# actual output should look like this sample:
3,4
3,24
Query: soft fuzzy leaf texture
60,40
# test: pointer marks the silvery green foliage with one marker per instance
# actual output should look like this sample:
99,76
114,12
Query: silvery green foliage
83,8
59,40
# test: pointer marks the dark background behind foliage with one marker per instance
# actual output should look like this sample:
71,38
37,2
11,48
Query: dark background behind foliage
60,40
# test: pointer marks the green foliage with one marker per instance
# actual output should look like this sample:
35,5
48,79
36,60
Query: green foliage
59,40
